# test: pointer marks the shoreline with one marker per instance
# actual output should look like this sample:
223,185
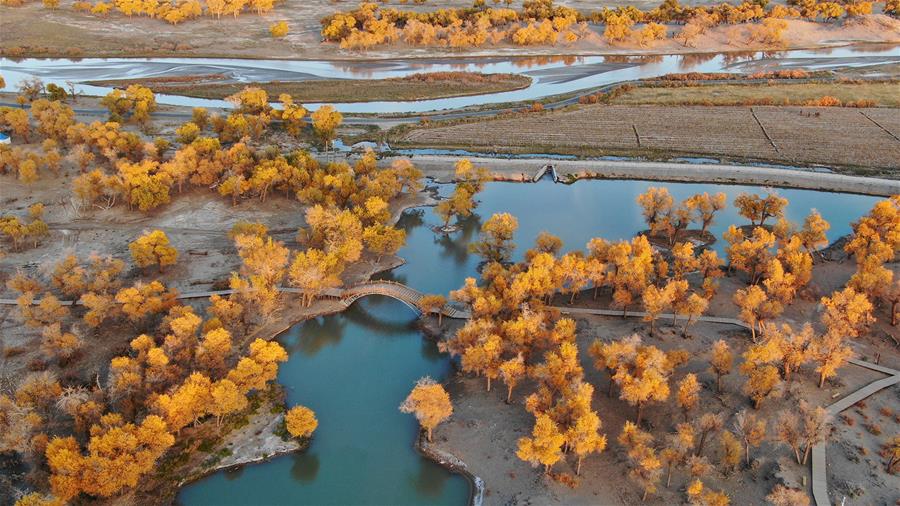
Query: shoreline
440,168
454,465
288,319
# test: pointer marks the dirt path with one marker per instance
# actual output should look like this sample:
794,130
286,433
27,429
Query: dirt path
441,168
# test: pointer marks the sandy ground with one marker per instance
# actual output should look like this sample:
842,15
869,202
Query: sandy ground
483,429
197,223
65,32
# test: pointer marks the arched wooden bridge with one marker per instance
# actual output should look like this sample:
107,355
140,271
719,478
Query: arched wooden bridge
409,296
412,298
347,296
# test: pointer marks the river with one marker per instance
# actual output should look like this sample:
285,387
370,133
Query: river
355,368
550,75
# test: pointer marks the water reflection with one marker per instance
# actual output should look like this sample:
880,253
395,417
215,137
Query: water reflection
314,335
355,368
306,467
362,451
379,325
428,482
551,75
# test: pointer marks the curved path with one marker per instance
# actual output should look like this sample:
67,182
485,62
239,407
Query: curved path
819,465
412,298
347,296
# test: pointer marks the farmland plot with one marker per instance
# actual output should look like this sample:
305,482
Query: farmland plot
802,135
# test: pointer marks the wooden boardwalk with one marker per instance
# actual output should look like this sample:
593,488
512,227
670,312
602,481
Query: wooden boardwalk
412,298
819,461
819,464
409,296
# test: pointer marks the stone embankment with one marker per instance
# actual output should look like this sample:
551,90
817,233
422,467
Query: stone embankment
441,168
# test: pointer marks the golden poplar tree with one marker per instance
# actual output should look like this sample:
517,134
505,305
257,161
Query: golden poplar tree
544,447
688,393
750,429
430,404
300,421
153,248
511,372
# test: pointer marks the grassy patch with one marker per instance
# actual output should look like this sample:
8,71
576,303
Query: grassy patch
414,87
884,94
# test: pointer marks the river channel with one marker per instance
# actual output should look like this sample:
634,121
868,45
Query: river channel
550,76
355,368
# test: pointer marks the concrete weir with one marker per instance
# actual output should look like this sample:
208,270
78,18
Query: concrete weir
543,171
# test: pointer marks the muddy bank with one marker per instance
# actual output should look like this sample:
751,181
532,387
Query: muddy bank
454,465
441,169
256,442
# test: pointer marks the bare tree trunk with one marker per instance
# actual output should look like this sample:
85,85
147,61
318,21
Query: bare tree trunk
686,325
702,442
488,383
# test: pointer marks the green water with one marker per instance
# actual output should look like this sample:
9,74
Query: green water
355,368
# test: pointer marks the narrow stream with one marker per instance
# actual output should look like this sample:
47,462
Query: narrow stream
355,368
550,75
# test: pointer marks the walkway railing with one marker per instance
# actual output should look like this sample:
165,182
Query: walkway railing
413,297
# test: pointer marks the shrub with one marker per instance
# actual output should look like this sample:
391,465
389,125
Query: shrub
826,101
279,29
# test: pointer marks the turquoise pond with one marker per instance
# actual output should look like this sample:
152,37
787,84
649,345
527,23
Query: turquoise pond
355,368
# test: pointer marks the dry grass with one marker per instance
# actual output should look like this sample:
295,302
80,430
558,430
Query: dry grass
826,135
414,87
885,94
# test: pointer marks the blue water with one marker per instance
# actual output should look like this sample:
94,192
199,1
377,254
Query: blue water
355,368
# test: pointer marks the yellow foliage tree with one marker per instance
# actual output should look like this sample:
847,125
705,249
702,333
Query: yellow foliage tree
544,447
153,248
300,421
430,404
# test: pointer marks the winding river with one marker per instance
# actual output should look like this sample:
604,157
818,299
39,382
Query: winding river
355,368
550,75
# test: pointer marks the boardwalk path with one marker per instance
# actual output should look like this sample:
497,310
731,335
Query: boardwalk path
409,296
412,298
819,464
